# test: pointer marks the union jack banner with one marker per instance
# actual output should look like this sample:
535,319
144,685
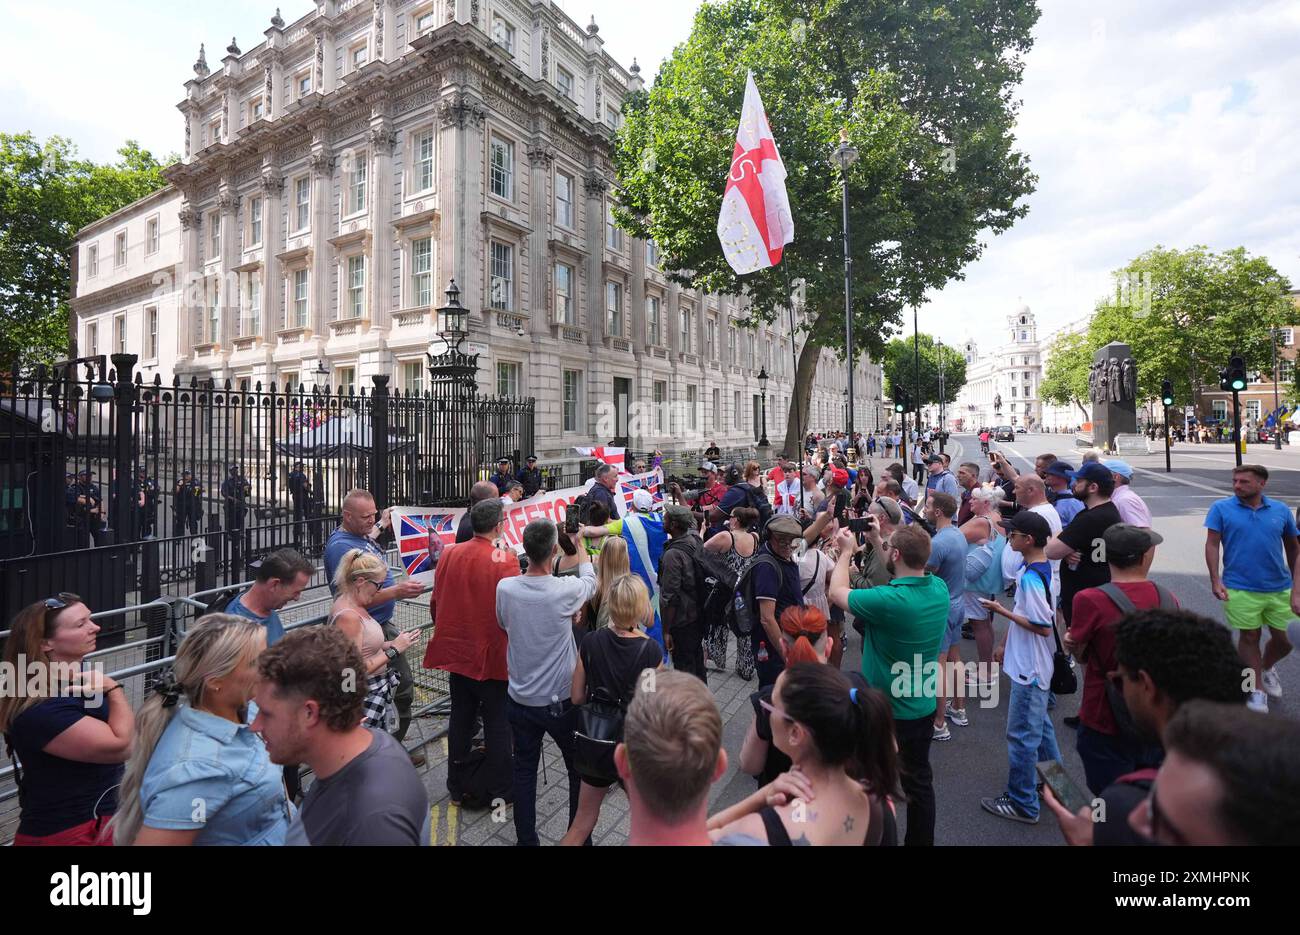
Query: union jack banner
629,484
614,456
414,534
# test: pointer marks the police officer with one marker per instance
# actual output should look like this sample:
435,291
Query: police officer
187,505
503,476
531,477
71,510
234,494
89,503
145,491
299,493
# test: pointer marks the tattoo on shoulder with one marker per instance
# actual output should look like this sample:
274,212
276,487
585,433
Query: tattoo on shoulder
848,823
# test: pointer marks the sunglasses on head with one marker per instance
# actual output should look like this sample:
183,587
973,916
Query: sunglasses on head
63,600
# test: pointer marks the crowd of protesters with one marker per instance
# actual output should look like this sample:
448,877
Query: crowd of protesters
775,568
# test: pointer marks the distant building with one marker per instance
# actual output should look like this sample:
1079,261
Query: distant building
1002,383
1257,400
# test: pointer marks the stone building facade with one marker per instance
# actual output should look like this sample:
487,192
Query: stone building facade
338,175
1002,384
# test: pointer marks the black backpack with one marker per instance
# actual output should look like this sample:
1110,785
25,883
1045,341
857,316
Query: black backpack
756,497
742,613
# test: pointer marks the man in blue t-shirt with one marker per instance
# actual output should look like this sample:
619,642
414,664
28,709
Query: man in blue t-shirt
948,561
280,579
1257,583
776,587
355,532
940,479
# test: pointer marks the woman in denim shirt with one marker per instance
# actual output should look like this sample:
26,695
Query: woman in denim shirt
198,775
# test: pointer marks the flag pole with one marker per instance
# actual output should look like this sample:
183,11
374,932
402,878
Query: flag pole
794,356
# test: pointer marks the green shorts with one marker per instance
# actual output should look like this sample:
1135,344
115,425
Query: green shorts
1250,610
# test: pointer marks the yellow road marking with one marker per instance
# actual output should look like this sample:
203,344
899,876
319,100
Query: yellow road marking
453,820
433,825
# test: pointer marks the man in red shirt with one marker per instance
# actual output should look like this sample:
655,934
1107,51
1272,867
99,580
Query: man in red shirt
468,644
1107,744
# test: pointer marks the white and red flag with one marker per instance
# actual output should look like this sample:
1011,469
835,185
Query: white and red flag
755,222
606,455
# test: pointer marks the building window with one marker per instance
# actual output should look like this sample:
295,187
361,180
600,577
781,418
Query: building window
92,260
255,222
507,378
564,81
424,161
692,407
611,117
686,329
653,323
360,54
302,202
347,378
252,307
1253,410
736,410
300,298
572,393
151,236
425,21
357,186
304,84
710,338
613,235
422,272
255,109
651,253
356,286
503,169
614,309
564,200
661,407
1285,370
564,294
214,235
151,329
290,378
214,132
749,346
119,334
503,34
214,314
413,376
1285,337
717,410
119,249
92,340
1024,335
503,275
1013,391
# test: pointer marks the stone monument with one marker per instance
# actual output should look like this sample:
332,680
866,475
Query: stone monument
1112,388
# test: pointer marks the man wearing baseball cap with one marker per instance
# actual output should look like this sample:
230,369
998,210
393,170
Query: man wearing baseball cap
1057,476
776,586
940,479
1132,509
1108,748
1026,658
1083,562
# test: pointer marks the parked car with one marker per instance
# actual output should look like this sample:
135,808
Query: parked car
1004,433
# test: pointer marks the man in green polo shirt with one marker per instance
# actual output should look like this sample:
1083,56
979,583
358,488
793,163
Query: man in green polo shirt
904,623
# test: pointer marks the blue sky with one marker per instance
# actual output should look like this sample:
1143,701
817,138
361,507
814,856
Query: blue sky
1158,121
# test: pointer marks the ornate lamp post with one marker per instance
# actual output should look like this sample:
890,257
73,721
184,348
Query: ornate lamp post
762,388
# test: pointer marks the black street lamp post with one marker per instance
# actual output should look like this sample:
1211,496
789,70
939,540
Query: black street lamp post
762,389
845,154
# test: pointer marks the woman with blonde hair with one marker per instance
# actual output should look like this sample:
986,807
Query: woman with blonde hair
70,731
359,576
612,564
611,663
198,774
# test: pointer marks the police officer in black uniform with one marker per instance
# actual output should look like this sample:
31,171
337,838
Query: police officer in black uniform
531,477
299,494
234,494
88,502
503,476
145,492
187,505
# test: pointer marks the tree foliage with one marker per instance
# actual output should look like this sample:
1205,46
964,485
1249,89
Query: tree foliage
900,364
1183,313
47,194
925,90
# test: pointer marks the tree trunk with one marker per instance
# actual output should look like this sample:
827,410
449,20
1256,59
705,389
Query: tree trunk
797,423
1087,416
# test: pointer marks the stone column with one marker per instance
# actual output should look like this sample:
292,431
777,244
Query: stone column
461,197
322,254
380,285
540,157
190,286
595,186
272,243
228,204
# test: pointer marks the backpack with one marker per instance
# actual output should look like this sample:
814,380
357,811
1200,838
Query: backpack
599,731
702,572
1114,696
742,611
756,498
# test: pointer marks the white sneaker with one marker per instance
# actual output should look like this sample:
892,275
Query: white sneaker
957,716
1271,684
1258,702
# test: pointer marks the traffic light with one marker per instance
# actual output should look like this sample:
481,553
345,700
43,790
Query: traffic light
900,403
1166,392
1236,373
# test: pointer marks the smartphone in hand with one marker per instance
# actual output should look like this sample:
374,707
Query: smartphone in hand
1063,787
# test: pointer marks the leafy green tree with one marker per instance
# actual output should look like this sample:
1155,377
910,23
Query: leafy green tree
926,92
47,194
1065,374
1183,313
900,364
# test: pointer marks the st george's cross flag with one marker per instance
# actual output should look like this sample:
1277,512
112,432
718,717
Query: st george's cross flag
607,455
755,222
